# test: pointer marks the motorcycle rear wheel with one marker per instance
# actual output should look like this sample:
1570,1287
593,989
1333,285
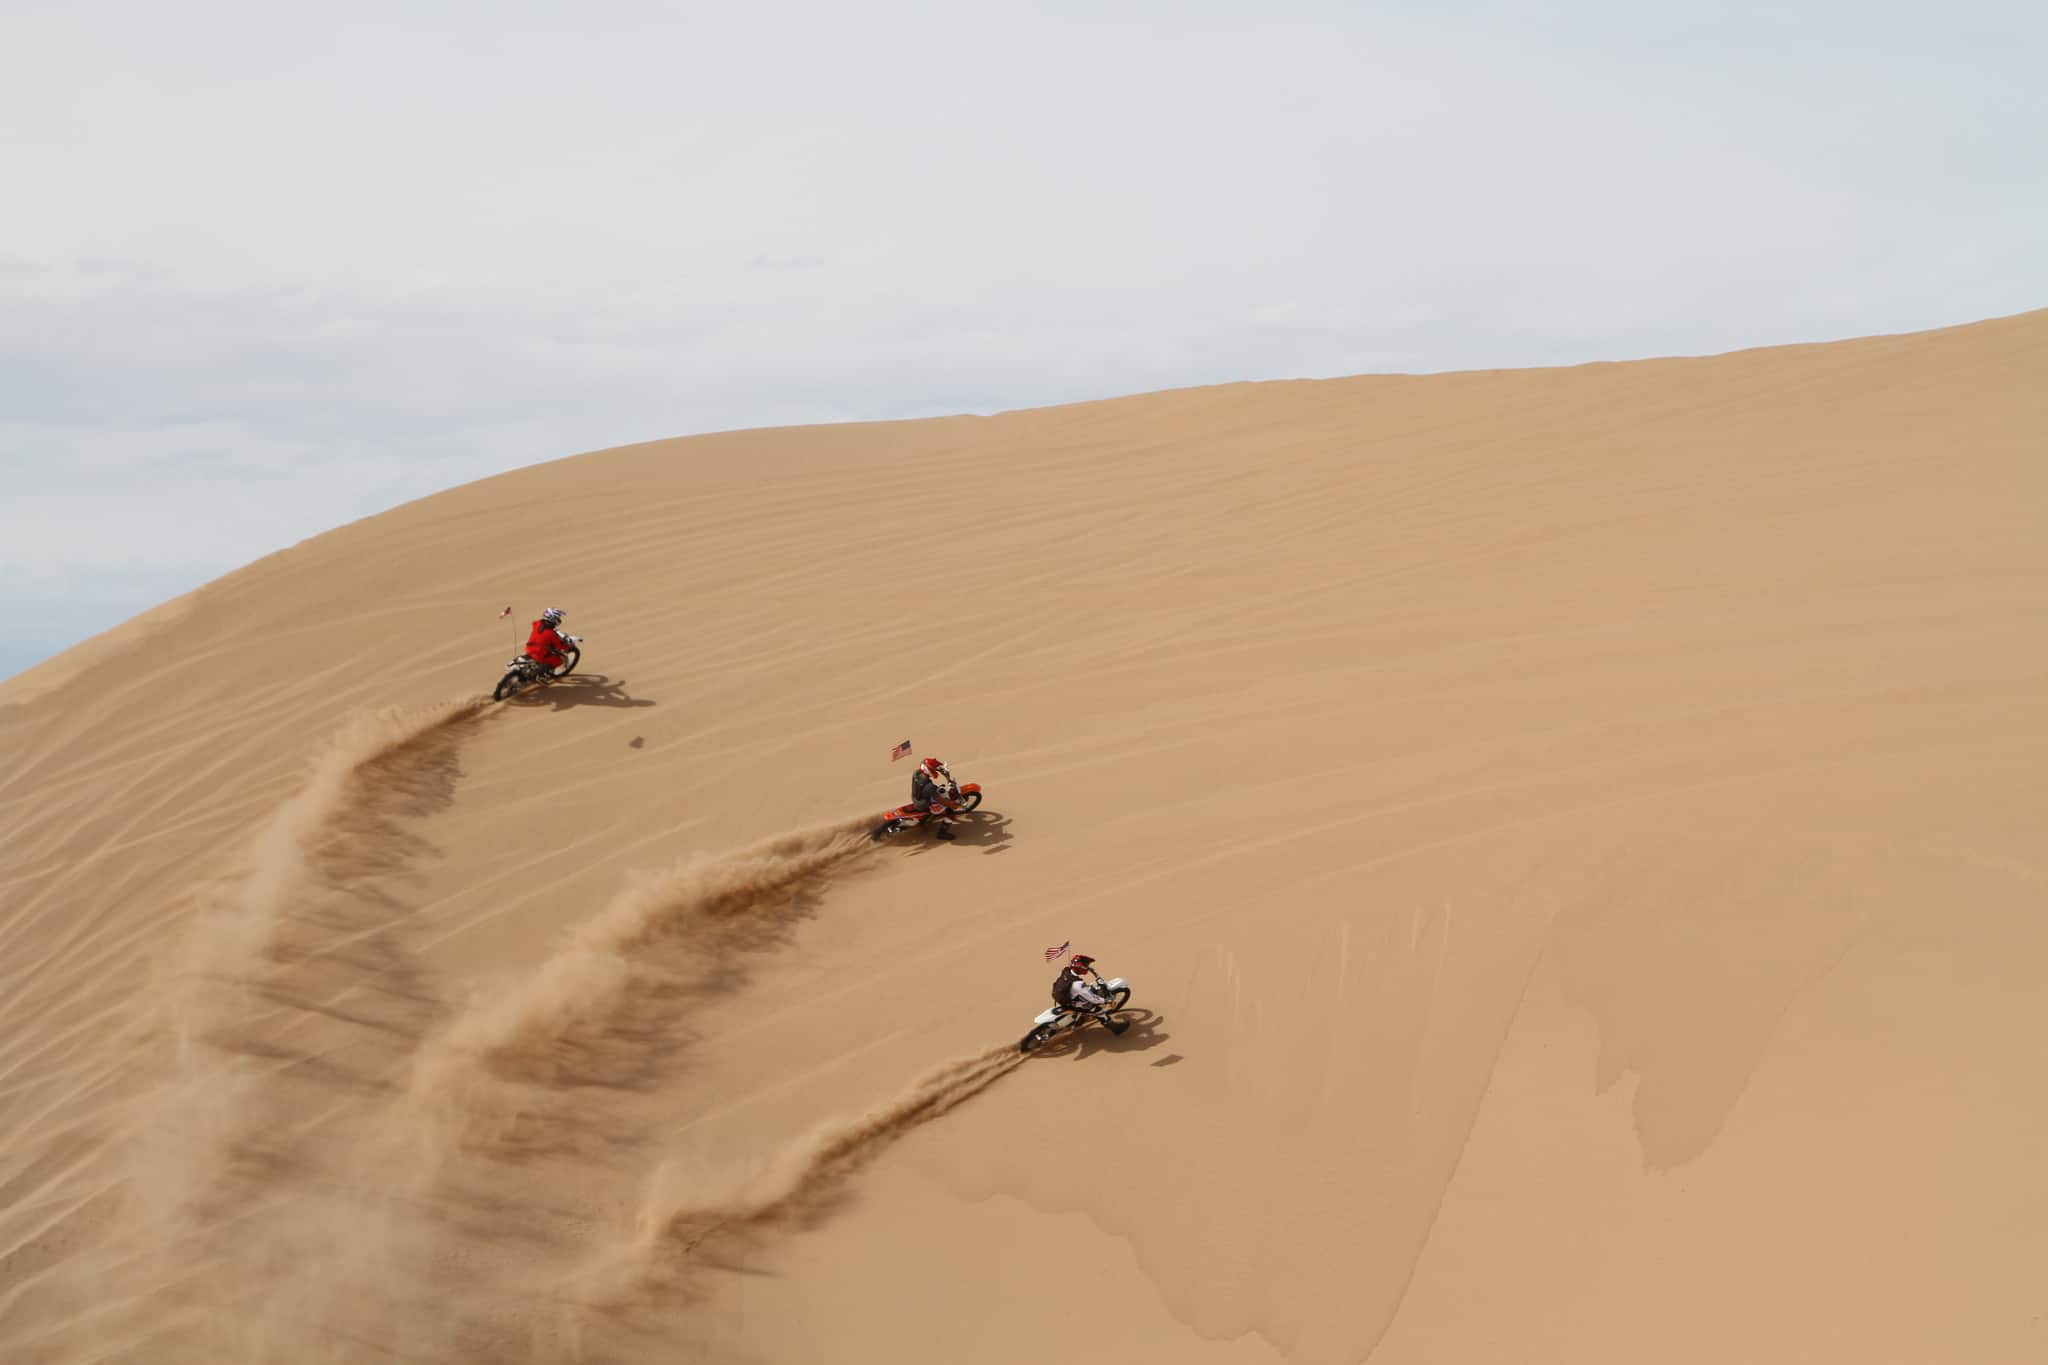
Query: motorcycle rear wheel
510,683
1037,1037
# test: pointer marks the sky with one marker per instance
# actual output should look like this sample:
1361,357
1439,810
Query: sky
266,268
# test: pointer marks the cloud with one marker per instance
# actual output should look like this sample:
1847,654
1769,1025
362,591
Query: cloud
279,270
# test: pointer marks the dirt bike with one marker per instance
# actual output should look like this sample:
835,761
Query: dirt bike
523,671
957,799
1062,1019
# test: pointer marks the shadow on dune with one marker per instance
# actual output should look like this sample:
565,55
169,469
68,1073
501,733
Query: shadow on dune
1142,1035
986,830
578,689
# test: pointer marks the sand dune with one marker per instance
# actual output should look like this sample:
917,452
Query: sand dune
1575,836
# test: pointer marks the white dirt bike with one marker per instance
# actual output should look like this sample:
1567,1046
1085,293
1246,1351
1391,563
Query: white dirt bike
1116,993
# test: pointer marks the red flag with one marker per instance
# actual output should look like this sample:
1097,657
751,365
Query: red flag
899,751
1051,953
505,613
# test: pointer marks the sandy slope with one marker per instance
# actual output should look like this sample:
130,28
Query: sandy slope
1576,837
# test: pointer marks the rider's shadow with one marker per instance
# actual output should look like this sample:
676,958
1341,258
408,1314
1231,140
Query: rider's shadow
580,689
1142,1036
986,830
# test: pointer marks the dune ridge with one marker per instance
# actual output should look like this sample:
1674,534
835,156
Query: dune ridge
1576,834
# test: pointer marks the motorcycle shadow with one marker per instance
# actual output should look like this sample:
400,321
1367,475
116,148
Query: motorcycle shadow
1142,1036
986,830
578,689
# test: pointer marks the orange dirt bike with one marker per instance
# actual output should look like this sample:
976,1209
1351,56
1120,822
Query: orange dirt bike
522,672
957,799
1116,993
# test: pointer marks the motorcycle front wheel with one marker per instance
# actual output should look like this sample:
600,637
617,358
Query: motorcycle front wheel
570,658
961,805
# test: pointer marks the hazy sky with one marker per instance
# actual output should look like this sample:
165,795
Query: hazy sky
269,267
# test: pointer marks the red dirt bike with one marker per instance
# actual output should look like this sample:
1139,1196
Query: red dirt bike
957,799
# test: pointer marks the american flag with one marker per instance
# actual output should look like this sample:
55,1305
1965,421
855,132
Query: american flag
505,613
1051,953
899,751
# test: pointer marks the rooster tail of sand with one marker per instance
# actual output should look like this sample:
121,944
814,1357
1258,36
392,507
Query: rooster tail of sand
264,950
237,916
664,932
686,1211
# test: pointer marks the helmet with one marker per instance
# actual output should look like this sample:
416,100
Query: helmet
553,616
1081,962
932,765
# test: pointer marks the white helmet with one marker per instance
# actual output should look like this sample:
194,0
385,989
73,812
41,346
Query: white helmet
553,616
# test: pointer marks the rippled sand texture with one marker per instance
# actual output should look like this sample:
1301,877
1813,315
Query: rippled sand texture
1576,837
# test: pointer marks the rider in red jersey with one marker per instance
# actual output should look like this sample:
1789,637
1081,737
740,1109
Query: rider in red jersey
545,644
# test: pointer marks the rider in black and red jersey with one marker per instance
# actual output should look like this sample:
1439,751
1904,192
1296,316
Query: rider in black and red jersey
930,785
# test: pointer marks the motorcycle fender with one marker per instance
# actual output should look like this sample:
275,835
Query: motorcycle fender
966,787
1048,1017
1117,983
